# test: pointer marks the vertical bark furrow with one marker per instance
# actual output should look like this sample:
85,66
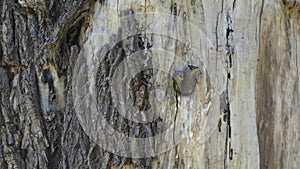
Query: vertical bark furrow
277,94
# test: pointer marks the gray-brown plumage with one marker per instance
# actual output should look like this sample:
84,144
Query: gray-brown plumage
185,81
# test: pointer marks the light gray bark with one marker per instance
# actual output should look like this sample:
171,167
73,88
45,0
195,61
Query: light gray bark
252,73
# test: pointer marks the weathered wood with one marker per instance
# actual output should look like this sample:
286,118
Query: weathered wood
245,108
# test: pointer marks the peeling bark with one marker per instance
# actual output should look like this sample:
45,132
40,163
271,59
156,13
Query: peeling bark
256,50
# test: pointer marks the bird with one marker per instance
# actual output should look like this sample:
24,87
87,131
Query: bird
184,81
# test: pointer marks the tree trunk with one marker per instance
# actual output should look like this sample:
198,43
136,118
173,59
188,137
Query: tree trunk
151,84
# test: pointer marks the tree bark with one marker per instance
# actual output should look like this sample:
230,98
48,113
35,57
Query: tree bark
65,64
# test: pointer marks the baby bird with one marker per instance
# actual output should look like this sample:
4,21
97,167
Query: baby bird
185,81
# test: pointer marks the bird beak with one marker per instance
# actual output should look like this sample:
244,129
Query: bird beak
193,67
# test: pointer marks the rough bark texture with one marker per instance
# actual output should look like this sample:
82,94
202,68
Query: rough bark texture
278,113
256,49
